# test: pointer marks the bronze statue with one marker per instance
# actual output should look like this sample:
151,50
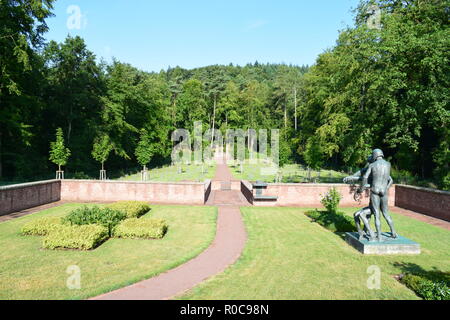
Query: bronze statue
376,177
363,214
380,173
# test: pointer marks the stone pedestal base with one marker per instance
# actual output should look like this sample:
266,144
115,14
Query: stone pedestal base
388,245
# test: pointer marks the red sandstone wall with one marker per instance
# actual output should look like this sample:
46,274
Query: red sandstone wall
309,195
233,184
431,202
27,195
155,192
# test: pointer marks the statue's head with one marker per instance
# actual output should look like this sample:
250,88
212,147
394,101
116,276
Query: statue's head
369,159
376,153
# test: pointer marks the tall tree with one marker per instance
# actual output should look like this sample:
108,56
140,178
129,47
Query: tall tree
22,25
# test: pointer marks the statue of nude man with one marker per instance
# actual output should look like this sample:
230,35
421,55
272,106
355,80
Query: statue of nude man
379,171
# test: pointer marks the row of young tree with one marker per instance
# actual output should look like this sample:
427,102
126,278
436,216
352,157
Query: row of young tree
385,87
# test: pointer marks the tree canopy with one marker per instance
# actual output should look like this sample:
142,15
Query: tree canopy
384,87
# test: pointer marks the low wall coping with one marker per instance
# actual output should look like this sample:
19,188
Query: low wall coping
137,182
27,184
310,184
247,184
446,193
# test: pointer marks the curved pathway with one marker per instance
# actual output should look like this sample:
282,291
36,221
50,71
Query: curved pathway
224,251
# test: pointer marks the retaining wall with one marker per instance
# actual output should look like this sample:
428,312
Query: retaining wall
435,203
154,192
309,195
27,195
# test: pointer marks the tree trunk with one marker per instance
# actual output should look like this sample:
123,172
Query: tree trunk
295,107
103,167
1,166
213,120
285,116
69,131
59,167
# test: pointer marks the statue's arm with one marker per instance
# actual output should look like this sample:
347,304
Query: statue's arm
354,178
365,178
390,182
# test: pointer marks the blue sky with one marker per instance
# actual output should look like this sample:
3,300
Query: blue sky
153,35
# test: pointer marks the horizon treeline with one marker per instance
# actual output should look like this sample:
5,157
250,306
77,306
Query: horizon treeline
385,86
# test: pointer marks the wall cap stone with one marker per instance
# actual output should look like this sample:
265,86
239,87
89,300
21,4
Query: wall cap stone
134,182
446,193
310,184
27,184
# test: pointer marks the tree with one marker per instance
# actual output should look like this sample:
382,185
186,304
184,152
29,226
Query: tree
59,154
192,104
384,87
74,86
22,24
101,149
144,149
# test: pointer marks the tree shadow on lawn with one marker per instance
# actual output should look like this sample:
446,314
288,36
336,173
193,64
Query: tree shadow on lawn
434,275
338,223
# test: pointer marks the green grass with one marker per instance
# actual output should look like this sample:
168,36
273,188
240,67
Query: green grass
29,272
170,174
290,173
288,256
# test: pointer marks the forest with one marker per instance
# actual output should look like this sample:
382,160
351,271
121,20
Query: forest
384,87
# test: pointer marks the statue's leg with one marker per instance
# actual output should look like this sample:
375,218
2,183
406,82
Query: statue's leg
375,207
385,210
365,216
356,216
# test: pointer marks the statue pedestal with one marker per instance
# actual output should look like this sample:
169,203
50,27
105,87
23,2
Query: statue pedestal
388,245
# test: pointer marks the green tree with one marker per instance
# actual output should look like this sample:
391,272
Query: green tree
144,150
192,104
22,25
370,90
102,148
59,154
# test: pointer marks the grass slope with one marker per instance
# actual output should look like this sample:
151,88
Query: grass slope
29,272
290,173
170,174
289,257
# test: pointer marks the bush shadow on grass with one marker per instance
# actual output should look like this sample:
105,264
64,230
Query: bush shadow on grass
429,285
433,275
339,223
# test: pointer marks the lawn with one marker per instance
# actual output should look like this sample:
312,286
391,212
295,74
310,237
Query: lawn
290,173
29,272
289,257
170,174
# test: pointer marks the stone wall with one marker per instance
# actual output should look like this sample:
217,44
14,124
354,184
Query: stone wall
154,192
309,195
247,190
27,195
431,202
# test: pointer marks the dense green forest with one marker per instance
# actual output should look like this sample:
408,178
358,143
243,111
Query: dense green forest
385,87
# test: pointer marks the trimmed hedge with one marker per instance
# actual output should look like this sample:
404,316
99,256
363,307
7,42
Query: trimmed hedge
41,226
336,222
133,209
436,289
141,228
106,217
84,237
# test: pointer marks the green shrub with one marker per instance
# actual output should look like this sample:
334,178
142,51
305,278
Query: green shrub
133,209
41,226
141,228
84,237
426,288
106,217
336,222
331,200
